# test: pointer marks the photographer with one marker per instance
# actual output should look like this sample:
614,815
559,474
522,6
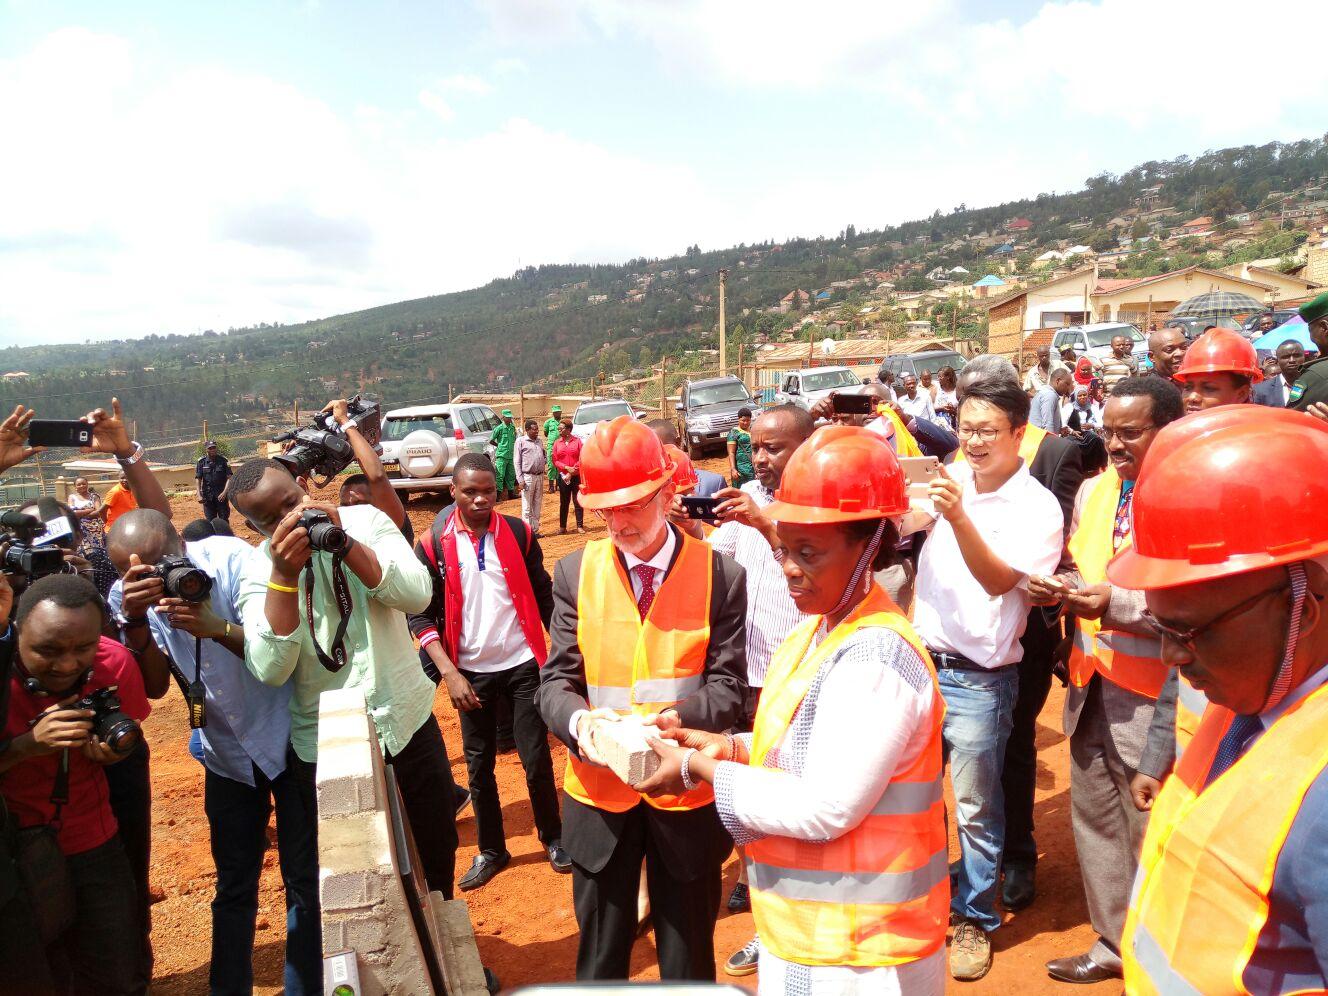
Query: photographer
244,741
370,486
78,878
325,619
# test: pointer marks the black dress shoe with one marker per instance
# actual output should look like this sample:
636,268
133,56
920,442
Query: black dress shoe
1019,888
1081,970
483,868
740,899
562,864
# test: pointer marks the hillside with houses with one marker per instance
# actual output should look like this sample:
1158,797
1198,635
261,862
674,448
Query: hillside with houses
1127,247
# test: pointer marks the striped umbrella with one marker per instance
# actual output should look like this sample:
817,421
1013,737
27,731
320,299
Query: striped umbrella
1217,304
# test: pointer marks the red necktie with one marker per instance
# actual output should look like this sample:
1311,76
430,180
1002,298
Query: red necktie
646,575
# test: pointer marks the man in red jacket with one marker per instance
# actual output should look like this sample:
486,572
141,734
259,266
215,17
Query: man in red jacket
483,637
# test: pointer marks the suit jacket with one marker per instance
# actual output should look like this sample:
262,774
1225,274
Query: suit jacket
1058,467
1269,392
691,841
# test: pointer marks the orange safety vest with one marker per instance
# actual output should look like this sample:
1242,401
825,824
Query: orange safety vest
1201,896
637,666
1028,446
1190,706
880,894
1129,660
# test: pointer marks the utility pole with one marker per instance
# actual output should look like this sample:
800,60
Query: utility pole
723,351
663,387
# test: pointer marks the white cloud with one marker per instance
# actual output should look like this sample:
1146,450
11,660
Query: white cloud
438,96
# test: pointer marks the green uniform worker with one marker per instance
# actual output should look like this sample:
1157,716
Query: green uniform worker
504,445
1311,387
551,436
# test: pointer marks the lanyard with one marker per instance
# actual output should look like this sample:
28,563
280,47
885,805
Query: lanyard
337,660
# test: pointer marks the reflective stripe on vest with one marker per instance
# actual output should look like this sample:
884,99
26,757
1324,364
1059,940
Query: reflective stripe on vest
639,666
879,894
1190,706
1210,854
1132,661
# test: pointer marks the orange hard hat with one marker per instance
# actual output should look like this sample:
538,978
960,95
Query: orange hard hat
622,462
840,474
1221,351
1235,494
685,478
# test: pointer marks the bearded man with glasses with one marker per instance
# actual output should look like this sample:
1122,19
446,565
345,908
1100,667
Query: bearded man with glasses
1116,673
993,527
648,626
1232,890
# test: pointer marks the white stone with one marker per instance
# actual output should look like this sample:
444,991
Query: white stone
623,745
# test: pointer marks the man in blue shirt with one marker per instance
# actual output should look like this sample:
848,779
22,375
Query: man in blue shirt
1045,410
244,743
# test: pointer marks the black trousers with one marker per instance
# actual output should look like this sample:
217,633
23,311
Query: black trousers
479,736
683,911
1019,774
567,494
216,508
130,784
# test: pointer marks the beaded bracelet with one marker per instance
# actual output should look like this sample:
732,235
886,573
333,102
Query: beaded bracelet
687,782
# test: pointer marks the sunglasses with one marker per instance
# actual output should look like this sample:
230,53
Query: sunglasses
1188,638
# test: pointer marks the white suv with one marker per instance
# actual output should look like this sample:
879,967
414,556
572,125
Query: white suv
806,387
421,444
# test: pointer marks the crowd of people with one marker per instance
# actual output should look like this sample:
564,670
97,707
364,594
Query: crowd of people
817,642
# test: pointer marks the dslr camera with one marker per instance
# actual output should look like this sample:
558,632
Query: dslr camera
113,728
22,555
323,448
324,534
181,579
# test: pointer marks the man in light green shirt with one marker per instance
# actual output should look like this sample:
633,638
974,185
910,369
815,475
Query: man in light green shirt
384,580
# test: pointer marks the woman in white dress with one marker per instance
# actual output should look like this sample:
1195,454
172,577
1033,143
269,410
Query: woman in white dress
835,798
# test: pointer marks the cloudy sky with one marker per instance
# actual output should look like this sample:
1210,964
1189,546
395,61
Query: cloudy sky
173,167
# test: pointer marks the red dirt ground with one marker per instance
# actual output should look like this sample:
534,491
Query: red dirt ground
523,919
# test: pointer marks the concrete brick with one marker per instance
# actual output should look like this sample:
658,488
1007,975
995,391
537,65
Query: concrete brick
346,771
366,935
624,749
463,971
349,890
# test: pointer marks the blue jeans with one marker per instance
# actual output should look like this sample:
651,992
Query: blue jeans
979,711
237,818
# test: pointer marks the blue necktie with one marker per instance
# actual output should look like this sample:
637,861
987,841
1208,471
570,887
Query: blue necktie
1233,745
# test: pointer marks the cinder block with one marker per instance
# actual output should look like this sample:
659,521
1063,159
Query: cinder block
366,935
349,890
462,969
624,748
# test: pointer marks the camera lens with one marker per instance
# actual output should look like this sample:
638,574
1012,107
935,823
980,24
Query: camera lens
118,732
188,583
327,536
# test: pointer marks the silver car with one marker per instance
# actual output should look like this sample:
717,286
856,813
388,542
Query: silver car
421,444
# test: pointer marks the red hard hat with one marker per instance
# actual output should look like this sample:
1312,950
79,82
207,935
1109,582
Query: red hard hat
685,478
622,462
1235,494
1220,351
840,474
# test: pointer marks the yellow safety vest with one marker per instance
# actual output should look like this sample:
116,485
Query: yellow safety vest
639,666
1201,896
1129,660
879,894
1190,706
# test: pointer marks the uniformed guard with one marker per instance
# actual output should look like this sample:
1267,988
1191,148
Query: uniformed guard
1311,387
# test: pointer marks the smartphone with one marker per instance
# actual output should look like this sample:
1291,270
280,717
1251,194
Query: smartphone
700,508
854,404
59,432
919,472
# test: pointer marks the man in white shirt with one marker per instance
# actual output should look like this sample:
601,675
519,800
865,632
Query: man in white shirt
994,526
915,403
483,632
746,535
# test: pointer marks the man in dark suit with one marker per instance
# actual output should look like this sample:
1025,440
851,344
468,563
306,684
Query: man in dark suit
648,624
1275,391
1055,464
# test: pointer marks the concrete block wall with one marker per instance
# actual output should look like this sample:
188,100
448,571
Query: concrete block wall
363,900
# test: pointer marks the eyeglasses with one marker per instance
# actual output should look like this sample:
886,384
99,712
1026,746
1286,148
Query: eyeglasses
1125,435
1188,638
632,509
987,434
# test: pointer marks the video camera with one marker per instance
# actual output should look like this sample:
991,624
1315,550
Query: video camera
323,447
23,554
181,579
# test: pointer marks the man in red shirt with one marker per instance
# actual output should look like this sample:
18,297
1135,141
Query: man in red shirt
61,657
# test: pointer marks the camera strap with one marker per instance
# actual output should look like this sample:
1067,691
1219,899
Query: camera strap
337,660
194,692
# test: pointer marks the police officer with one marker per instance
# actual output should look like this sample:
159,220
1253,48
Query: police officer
1311,388
212,472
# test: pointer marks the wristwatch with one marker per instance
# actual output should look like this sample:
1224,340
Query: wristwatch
133,458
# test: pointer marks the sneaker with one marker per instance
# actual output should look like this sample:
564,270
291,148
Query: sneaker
740,900
743,961
970,952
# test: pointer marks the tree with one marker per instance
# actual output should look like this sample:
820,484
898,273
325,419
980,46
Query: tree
1220,202
850,233
1102,241
1139,229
